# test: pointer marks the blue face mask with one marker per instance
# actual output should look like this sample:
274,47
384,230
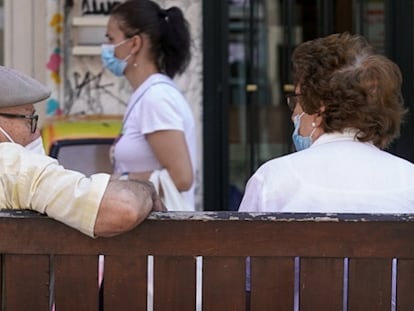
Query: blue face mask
301,142
111,62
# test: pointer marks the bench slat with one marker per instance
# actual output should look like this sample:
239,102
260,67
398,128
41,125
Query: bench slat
321,284
26,280
125,283
405,285
272,283
224,283
369,284
76,280
174,283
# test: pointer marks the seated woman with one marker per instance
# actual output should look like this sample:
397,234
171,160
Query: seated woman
346,109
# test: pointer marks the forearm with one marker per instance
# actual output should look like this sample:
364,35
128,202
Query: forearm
124,205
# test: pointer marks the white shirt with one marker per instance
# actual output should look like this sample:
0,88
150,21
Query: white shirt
156,105
336,174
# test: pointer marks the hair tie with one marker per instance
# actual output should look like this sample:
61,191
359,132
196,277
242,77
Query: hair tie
163,14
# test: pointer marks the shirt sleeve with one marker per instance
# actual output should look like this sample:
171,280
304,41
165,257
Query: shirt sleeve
161,110
252,198
39,183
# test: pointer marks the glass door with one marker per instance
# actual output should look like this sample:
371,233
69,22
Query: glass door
258,120
262,35
247,72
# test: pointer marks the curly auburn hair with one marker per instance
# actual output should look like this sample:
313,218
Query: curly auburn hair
343,80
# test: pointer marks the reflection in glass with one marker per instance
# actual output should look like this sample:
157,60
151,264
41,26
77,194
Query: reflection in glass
262,35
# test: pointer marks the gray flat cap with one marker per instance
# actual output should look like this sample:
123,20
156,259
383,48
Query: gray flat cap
17,88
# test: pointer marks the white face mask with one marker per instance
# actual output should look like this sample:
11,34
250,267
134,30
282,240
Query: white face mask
35,146
7,135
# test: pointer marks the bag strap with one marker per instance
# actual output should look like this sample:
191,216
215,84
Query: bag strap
131,108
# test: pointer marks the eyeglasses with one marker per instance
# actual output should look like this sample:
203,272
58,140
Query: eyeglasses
292,100
32,117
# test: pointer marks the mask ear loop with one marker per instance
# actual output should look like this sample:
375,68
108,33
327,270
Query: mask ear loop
7,135
314,129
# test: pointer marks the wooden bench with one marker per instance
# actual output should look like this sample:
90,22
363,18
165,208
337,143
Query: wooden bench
32,246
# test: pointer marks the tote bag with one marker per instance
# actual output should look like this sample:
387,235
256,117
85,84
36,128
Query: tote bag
172,198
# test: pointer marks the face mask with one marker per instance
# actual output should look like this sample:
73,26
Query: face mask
301,142
35,146
7,135
111,62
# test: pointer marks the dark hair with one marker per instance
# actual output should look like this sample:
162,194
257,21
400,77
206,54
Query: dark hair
358,88
167,30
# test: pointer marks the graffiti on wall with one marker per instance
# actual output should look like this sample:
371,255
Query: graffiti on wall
54,61
90,89
97,7
78,82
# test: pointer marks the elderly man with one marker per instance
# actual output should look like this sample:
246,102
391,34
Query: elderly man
97,205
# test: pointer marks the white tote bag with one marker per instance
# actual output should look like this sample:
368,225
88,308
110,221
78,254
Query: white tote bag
172,198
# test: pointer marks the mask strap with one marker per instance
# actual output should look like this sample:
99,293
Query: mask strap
126,58
122,42
314,129
7,135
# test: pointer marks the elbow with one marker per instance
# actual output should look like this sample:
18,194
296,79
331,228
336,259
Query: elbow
121,212
134,212
183,183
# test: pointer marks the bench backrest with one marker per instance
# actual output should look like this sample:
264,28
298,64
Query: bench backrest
344,262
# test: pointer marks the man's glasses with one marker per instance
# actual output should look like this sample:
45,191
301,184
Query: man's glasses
292,100
32,117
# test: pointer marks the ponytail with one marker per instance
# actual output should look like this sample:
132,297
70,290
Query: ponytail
167,30
174,42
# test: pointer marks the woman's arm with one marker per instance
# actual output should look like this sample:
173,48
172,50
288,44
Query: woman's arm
171,150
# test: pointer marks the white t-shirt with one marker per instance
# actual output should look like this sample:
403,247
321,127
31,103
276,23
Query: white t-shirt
156,105
337,174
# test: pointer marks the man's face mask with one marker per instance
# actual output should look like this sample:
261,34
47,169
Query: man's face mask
35,146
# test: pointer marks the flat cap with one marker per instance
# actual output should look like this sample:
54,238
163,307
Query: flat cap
17,88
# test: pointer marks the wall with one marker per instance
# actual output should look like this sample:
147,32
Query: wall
43,45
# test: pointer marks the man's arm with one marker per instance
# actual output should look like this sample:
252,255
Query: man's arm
124,205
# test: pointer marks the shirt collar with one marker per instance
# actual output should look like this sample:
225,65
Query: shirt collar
348,134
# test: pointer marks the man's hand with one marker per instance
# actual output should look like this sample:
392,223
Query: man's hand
158,205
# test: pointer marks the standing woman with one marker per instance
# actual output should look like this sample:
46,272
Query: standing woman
149,46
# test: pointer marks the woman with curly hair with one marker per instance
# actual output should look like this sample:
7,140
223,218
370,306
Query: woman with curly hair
347,107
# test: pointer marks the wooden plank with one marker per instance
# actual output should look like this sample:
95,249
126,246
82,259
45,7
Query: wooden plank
272,283
321,284
369,284
229,241
405,285
26,282
224,283
174,283
1,278
76,283
125,283
313,236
